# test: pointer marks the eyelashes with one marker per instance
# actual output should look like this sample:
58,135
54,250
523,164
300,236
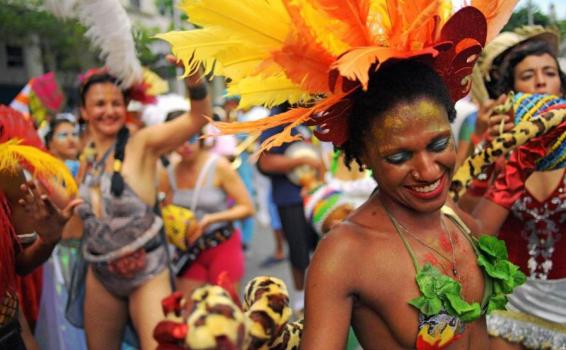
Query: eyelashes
436,146
439,145
398,158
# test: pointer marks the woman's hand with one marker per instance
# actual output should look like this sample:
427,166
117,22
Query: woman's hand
499,123
47,220
194,231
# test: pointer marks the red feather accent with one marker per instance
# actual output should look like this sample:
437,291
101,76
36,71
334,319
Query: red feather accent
354,14
140,92
13,124
307,64
7,242
333,123
290,119
312,72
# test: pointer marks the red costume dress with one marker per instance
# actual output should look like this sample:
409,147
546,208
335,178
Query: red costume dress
536,312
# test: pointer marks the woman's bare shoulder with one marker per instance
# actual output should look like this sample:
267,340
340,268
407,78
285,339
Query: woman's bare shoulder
351,240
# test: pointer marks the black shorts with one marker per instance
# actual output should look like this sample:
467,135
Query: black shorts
300,235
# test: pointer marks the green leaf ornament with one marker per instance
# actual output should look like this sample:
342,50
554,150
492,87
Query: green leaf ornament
492,246
440,292
506,275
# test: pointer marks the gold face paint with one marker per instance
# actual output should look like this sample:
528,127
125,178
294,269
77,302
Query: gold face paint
388,129
410,150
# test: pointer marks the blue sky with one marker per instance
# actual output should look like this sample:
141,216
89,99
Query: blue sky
545,4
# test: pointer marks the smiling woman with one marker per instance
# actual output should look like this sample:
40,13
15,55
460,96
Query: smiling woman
400,130
127,271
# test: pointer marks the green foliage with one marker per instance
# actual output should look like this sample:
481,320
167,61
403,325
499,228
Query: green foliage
21,21
165,7
143,38
520,17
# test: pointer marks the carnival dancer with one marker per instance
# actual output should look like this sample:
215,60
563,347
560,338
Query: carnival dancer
403,269
127,271
28,230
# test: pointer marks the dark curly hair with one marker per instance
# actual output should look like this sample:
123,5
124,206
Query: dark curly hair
394,82
99,78
515,56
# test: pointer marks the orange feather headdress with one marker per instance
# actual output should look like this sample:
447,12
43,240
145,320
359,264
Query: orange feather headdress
317,52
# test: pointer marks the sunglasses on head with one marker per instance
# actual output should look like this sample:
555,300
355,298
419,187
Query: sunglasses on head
193,140
68,117
63,135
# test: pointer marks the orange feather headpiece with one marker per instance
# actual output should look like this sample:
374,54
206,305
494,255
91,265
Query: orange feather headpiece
317,52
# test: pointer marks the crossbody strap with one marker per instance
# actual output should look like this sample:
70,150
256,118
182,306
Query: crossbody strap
200,180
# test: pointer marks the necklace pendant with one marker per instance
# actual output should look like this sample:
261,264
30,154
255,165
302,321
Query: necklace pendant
454,271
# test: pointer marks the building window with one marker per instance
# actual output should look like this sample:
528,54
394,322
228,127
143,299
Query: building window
14,56
135,4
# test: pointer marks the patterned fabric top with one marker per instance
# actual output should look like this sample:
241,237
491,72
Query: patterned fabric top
533,234
527,106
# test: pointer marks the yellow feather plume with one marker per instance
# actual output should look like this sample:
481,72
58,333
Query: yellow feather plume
200,46
264,23
270,91
242,61
14,156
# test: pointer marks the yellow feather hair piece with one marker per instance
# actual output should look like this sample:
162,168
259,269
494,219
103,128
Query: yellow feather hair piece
239,62
269,91
276,51
14,156
196,47
264,23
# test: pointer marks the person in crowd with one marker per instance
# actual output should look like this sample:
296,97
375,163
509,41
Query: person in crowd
203,182
278,255
53,330
401,132
532,224
126,273
62,141
300,236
